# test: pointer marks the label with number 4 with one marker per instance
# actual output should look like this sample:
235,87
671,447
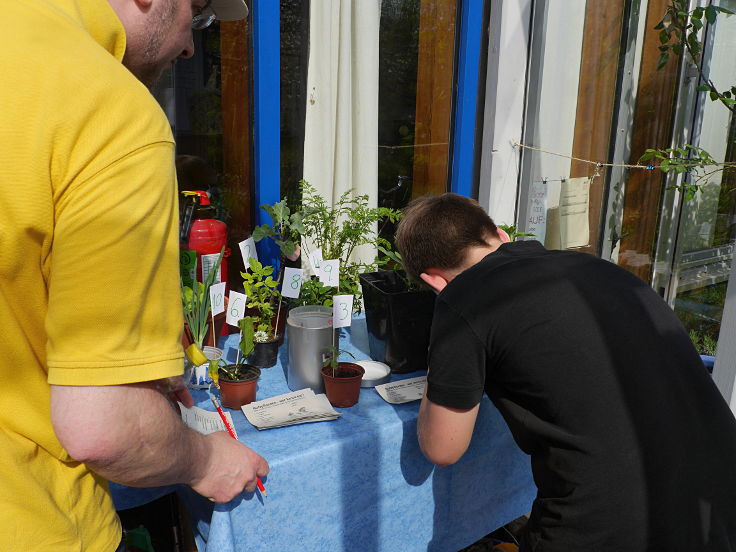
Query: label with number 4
342,310
292,282
315,259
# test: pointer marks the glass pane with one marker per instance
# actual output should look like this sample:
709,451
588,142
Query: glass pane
708,221
294,58
570,109
416,64
207,100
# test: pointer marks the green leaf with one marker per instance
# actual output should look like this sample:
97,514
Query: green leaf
260,232
664,36
714,95
662,60
711,12
648,154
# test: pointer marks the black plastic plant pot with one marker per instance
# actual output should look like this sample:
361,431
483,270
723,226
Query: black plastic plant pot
265,354
398,320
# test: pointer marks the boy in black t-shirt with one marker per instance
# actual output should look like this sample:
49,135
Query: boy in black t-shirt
632,446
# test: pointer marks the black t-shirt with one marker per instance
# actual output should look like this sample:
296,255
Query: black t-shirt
632,446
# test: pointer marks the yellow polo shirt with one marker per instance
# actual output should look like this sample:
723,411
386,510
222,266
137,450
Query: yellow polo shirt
89,290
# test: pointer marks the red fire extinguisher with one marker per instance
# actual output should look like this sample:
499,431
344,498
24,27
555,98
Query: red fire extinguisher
202,232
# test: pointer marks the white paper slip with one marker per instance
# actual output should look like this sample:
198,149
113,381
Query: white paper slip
402,391
297,407
204,421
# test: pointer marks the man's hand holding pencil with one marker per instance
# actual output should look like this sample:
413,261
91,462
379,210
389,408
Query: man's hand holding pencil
231,468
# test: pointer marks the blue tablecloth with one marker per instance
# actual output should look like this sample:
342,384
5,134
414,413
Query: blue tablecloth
361,482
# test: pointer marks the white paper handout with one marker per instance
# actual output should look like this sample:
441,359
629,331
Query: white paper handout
204,421
297,407
574,208
537,210
402,391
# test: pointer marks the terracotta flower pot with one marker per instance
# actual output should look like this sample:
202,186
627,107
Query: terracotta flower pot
234,394
265,354
343,389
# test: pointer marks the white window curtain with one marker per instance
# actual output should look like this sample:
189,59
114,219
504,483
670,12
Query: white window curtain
341,127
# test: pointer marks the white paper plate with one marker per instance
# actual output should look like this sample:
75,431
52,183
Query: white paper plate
376,372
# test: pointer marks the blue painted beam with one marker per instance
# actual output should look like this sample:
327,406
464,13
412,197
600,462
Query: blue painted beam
265,19
466,100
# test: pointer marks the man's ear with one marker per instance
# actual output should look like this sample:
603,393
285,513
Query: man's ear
435,279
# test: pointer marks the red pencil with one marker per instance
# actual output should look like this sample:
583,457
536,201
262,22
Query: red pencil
232,434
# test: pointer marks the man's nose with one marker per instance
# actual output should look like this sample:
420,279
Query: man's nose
188,50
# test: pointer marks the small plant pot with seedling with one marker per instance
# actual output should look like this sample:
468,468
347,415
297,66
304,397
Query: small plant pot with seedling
260,339
342,380
265,350
238,382
198,321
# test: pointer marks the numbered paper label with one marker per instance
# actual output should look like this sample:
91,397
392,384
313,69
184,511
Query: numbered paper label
342,310
315,259
248,250
208,263
329,272
188,266
217,298
292,282
235,308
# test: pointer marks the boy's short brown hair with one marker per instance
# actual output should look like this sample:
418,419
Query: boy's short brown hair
436,232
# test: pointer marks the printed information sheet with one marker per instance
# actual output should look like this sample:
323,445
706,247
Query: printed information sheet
402,391
204,421
297,407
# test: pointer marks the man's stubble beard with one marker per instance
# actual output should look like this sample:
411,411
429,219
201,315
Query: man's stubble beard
147,65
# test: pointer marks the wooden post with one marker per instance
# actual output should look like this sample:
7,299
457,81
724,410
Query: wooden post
434,96
596,103
652,128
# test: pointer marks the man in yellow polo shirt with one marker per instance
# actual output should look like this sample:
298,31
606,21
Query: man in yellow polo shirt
90,315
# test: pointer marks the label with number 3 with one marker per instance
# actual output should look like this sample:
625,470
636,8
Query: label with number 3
342,310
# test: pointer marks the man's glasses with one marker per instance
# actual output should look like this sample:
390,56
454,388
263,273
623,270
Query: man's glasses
203,17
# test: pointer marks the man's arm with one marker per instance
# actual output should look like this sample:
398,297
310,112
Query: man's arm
444,433
131,435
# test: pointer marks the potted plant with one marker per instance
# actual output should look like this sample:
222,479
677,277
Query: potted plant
341,379
338,230
260,338
398,315
198,324
237,382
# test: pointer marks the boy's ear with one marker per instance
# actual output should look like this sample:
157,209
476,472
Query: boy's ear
502,235
434,279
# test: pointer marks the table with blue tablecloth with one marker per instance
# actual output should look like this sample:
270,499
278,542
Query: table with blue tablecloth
359,482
